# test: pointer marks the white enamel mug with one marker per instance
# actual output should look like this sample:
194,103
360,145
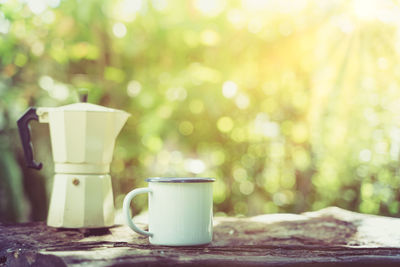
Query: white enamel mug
180,211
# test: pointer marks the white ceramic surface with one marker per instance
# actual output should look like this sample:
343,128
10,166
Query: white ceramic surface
180,213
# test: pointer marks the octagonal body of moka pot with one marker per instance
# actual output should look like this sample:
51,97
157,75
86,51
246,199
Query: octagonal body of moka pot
82,140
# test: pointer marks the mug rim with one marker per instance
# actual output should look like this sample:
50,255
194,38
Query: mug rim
180,180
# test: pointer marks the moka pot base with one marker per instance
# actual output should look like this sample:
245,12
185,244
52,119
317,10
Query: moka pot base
81,201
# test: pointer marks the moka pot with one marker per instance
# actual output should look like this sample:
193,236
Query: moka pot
82,140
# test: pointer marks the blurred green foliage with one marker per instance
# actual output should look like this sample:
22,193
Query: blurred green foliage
290,105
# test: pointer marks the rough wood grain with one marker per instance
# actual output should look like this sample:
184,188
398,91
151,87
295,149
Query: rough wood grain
327,237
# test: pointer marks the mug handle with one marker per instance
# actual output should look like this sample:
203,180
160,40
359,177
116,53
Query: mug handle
127,211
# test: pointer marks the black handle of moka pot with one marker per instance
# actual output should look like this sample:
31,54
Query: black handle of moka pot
24,133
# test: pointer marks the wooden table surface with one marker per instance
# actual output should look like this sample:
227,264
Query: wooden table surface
327,237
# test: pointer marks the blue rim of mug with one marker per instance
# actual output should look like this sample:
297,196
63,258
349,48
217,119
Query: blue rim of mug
180,180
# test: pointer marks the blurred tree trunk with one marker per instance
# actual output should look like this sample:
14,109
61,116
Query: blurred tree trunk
22,190
13,204
35,189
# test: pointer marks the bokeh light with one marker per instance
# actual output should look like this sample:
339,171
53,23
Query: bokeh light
290,105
